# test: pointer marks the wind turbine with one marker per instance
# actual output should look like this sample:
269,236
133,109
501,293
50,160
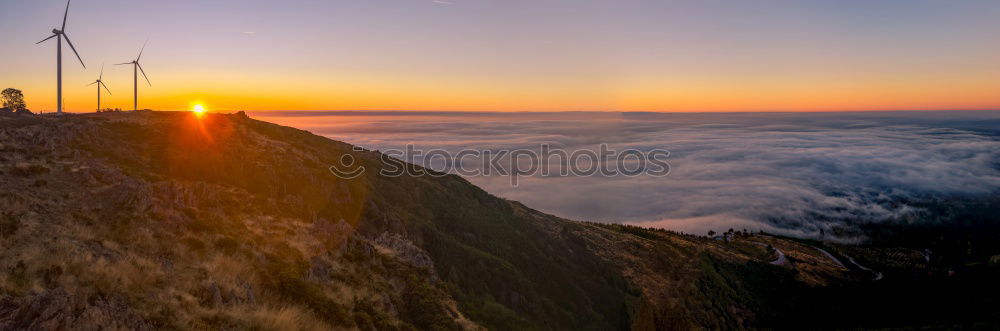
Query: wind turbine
136,68
100,83
59,34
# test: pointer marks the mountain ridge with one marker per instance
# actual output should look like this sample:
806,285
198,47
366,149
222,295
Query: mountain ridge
170,220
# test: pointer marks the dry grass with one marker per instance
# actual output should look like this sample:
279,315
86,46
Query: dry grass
229,271
287,318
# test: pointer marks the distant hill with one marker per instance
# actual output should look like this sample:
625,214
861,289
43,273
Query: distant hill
7,111
165,220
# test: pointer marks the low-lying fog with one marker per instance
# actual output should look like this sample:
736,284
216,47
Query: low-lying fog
791,173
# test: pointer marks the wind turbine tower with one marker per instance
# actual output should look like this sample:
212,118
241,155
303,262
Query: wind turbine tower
100,83
136,69
59,34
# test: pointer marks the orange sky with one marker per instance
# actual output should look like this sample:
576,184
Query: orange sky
517,55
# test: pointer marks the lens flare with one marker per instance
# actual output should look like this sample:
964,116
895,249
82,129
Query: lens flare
198,110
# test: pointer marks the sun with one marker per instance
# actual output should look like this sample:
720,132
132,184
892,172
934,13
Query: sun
198,109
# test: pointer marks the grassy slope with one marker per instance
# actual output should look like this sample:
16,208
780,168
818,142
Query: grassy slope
228,221
238,192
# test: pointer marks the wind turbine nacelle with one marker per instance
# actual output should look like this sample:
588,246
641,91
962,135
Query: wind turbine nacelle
56,31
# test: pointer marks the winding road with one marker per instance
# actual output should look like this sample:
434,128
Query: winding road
781,255
835,260
878,275
781,260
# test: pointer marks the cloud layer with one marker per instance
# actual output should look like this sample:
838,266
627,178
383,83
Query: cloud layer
796,174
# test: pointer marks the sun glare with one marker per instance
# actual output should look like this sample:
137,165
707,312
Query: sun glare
198,109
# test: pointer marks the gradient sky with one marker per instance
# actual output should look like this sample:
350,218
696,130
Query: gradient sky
654,55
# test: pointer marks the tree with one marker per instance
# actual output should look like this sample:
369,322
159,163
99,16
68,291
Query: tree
13,100
711,233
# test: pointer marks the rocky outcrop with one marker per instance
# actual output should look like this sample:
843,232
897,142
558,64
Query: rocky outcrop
59,310
403,249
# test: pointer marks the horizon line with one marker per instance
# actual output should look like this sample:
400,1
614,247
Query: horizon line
562,111
485,112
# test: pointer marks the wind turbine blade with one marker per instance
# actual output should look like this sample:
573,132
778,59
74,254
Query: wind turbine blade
121,64
91,83
74,50
99,78
106,88
66,15
143,74
141,50
43,40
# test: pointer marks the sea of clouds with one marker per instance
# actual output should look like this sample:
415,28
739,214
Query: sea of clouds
797,174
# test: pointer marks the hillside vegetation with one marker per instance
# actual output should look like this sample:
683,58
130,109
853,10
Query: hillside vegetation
156,220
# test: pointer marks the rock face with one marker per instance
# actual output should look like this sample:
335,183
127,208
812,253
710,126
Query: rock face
404,250
167,220
58,310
